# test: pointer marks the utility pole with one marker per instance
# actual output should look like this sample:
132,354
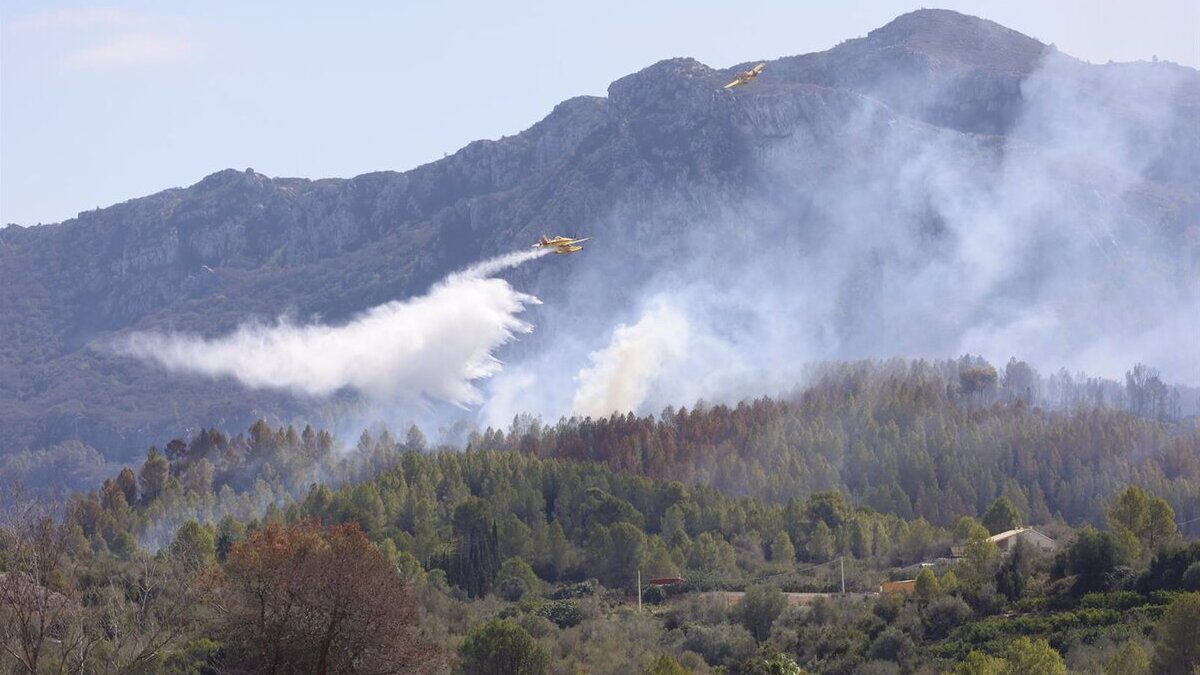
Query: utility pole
842,561
639,591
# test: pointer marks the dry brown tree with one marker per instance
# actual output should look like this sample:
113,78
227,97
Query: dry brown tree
306,598
43,624
147,607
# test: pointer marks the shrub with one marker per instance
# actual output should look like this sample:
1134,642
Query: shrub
891,645
516,579
944,614
582,589
1033,657
665,665
564,613
1131,659
654,595
501,647
1114,600
759,608
722,644
888,606
1191,577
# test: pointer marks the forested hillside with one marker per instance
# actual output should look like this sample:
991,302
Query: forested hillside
530,543
221,556
934,440
915,439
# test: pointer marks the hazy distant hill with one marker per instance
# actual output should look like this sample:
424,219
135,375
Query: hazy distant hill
238,244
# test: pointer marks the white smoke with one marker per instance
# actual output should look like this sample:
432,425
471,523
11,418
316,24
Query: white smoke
434,346
883,236
621,374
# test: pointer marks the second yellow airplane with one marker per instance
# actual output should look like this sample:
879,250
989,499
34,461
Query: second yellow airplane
561,244
743,78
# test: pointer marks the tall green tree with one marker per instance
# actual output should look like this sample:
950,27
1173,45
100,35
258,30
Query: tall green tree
979,561
928,587
614,554
1015,570
1178,646
1145,523
711,555
414,440
821,545
153,475
829,507
126,482
474,561
195,545
1001,516
783,553
1091,557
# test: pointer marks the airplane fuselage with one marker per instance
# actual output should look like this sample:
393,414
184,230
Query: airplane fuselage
560,244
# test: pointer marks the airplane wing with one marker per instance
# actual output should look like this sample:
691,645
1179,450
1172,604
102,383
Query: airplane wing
577,241
733,84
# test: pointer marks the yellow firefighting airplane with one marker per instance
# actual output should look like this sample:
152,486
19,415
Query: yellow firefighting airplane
743,78
561,244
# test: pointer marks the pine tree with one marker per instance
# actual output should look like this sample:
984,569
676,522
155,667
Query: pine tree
783,553
821,544
1001,516
154,474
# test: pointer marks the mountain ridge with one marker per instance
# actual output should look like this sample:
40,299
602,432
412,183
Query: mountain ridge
237,244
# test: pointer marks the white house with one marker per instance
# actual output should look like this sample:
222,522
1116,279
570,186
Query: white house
1006,540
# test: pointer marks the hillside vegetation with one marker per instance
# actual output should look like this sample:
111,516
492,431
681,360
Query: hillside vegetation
222,553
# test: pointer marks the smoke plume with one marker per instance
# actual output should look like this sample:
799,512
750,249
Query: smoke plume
1069,242
621,373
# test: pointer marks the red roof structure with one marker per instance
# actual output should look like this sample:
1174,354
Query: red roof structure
667,581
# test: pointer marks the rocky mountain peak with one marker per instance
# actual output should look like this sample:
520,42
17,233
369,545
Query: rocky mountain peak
959,39
662,85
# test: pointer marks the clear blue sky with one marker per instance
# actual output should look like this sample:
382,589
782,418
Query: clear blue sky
104,102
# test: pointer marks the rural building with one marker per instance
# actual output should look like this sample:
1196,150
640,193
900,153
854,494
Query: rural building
906,587
1006,540
667,581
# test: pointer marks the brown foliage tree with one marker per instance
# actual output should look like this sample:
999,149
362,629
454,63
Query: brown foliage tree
303,598
42,623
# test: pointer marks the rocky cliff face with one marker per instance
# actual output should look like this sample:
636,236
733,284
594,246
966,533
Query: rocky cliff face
667,139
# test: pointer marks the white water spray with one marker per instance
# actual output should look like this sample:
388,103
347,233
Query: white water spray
434,346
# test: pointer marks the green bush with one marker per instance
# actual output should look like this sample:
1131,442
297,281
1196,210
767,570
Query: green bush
1191,577
564,613
720,645
501,647
654,595
891,645
1113,600
582,589
944,614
